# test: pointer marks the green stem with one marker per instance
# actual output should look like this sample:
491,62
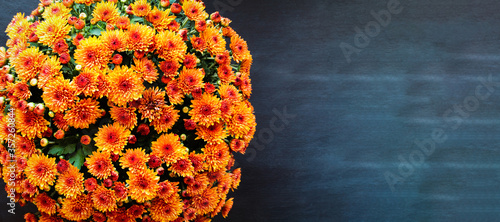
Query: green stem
184,22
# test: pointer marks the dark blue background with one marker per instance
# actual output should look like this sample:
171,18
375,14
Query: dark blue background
355,123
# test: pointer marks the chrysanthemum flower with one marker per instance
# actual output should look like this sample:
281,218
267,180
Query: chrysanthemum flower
49,71
99,164
238,145
170,45
143,184
56,10
41,171
125,84
216,155
168,148
229,92
140,8
190,79
49,218
77,208
168,117
124,116
160,19
214,41
60,122
103,199
236,176
21,90
86,82
205,202
70,183
165,211
86,2
136,211
19,26
153,99
169,68
106,12
52,29
146,68
120,191
28,63
103,86
134,159
83,113
122,22
239,48
194,10
212,134
92,53
198,44
226,74
197,159
139,37
24,146
241,121
30,125
114,40
112,138
167,189
58,95
182,167
227,207
206,110
45,204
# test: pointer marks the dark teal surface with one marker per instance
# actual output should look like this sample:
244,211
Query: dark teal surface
352,129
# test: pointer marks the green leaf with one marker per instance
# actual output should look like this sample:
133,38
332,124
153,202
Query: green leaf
70,148
56,150
77,159
87,149
95,31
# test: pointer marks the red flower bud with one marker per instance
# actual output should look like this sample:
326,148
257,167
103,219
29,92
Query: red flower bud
154,161
59,134
79,24
215,17
176,8
62,166
115,157
160,171
68,3
40,109
107,183
143,129
85,140
164,3
64,58
132,139
117,59
189,124
114,176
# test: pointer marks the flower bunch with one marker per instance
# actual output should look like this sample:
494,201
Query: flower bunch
123,110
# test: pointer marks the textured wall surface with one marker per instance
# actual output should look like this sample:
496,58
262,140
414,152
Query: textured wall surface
408,130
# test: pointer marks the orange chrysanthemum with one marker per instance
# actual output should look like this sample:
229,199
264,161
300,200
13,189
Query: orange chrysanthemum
140,8
70,183
124,116
56,10
206,110
241,121
168,117
143,184
239,48
99,164
212,134
205,202
92,53
229,92
114,40
103,87
30,125
49,71
134,159
83,113
125,84
227,207
19,26
190,79
169,68
226,74
194,10
52,29
86,82
28,63
146,68
216,155
160,19
139,37
86,2
170,45
168,148
58,95
45,204
112,138
151,102
77,208
106,12
136,211
60,122
122,22
41,171
103,199
182,167
166,210
24,147
20,90
214,41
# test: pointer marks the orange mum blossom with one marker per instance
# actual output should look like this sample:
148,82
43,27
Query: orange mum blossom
125,110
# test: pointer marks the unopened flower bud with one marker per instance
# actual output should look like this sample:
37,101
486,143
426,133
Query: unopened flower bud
44,142
78,67
83,15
